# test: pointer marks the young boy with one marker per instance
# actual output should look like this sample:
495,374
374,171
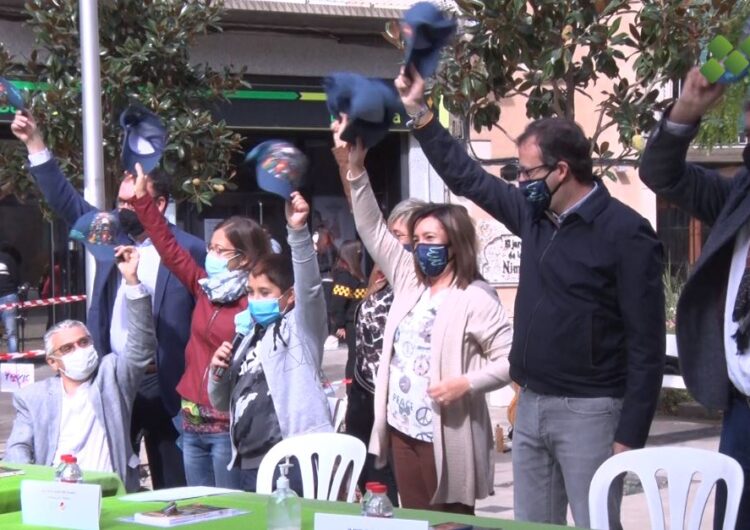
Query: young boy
272,387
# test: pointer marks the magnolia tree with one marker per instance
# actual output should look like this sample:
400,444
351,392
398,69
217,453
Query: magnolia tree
553,53
144,56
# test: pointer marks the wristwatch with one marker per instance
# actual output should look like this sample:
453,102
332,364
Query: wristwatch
416,119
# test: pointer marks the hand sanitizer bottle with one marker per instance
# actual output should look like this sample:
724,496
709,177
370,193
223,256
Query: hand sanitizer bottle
284,507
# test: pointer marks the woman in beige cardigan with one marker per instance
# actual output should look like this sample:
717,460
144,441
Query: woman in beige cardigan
446,343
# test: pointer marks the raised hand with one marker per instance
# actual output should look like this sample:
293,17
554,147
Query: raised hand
297,210
357,154
697,96
127,259
141,182
411,90
25,129
337,126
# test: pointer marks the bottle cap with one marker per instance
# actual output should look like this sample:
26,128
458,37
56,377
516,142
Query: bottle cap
369,485
379,488
68,459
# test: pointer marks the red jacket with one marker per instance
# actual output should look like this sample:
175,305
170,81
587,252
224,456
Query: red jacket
211,323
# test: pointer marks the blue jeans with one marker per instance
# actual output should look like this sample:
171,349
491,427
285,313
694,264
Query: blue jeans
558,444
206,458
735,442
9,321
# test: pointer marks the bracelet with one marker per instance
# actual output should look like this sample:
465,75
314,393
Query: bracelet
413,123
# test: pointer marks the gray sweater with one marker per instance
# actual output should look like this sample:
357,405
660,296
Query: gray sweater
292,366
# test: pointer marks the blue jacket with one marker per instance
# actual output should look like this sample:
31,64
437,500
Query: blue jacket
173,304
589,312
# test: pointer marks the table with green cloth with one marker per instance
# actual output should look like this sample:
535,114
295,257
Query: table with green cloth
113,509
10,487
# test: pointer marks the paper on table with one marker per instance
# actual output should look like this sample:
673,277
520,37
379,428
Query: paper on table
176,494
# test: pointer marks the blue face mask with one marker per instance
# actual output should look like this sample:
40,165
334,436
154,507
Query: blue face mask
408,247
215,265
537,195
433,259
265,312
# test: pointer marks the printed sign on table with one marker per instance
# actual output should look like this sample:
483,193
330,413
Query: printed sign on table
15,376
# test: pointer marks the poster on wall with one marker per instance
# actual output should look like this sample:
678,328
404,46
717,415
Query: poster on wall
499,253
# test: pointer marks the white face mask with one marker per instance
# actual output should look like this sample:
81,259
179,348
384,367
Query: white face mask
80,363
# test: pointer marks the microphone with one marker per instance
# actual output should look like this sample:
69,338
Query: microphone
218,371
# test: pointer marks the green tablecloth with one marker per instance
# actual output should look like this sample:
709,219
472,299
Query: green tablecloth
10,487
113,509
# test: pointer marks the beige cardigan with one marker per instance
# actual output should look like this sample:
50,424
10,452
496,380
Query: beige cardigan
471,336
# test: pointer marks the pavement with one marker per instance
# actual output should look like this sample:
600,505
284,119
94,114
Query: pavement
665,430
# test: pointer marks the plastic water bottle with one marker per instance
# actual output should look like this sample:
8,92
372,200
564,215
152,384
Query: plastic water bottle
68,471
379,504
367,496
284,507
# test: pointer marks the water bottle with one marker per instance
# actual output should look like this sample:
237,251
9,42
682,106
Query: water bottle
284,507
379,504
367,496
68,471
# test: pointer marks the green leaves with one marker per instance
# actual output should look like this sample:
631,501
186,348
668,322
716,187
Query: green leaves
553,52
144,56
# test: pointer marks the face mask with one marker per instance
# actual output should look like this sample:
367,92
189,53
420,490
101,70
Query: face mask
265,312
408,248
216,265
746,156
243,322
80,363
538,195
433,259
129,223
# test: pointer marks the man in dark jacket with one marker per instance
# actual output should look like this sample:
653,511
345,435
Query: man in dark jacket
157,401
589,330
713,312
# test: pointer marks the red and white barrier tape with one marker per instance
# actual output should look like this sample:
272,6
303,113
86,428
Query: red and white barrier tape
46,301
336,384
31,354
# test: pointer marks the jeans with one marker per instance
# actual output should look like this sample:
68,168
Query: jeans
9,321
558,444
735,442
206,457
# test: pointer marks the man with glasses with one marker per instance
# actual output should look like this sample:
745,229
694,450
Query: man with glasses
589,328
157,402
86,410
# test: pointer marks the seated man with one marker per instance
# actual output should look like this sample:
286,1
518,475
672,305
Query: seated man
86,410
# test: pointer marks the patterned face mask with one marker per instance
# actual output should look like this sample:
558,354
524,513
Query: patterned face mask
433,259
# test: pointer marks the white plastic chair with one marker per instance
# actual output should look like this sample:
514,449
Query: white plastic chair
338,411
334,453
680,464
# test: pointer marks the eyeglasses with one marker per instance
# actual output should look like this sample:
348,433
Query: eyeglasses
83,342
221,251
524,172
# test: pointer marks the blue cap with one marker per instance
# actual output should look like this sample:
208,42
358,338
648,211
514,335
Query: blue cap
426,31
99,232
144,138
11,94
368,103
279,167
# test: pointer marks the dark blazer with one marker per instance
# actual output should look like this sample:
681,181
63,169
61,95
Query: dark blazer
589,311
173,304
723,203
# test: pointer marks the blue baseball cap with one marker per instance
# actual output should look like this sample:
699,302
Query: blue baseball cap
11,94
426,30
144,138
368,103
99,232
279,167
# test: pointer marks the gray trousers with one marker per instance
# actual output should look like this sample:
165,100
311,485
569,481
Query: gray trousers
558,444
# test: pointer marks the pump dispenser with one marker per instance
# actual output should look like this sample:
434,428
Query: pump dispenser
284,506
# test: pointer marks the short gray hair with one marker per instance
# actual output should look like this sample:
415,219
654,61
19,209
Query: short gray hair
65,324
403,210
